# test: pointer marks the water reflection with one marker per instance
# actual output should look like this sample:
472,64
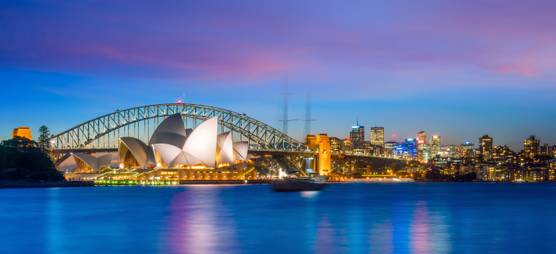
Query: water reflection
54,226
428,232
325,241
309,194
198,222
348,218
380,237
420,240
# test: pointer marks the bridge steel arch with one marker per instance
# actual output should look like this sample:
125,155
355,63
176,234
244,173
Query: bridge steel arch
260,135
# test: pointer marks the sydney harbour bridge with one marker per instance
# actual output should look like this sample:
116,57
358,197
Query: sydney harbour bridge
103,133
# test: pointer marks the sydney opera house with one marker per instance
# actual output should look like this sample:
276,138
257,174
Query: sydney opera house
173,146
172,153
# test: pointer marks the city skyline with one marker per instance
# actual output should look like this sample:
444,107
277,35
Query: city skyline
278,126
63,63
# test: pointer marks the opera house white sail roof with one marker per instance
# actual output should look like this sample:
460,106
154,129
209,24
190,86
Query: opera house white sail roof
135,149
171,145
84,160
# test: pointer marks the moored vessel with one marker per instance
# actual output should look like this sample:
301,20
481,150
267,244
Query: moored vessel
297,184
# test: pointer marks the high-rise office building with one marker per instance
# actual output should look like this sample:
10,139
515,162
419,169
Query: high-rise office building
531,147
435,145
421,142
421,138
357,136
377,136
485,147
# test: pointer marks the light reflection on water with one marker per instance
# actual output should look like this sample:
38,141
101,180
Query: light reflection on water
195,222
347,218
309,194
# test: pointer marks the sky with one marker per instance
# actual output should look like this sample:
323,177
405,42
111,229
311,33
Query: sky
455,68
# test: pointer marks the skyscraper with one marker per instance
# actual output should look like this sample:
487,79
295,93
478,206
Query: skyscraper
377,136
421,142
421,138
485,147
435,145
357,136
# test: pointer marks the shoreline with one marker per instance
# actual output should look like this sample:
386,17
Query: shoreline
4,184
7,184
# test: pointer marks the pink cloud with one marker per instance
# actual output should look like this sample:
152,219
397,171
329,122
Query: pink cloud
519,69
266,41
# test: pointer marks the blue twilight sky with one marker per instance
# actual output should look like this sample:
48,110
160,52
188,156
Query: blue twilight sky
452,67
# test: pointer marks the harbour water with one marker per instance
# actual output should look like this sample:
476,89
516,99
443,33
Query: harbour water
344,218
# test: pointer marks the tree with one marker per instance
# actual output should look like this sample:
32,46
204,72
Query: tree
44,136
20,159
20,143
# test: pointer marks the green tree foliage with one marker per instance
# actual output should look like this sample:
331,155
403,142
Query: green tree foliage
44,135
20,143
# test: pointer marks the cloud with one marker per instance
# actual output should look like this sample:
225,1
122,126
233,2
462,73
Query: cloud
253,41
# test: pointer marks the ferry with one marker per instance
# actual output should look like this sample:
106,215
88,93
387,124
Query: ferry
291,184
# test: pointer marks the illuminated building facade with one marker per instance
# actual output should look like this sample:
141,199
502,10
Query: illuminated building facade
421,142
348,145
421,138
552,170
357,136
435,145
485,147
336,145
503,155
22,132
377,136
389,148
531,147
468,150
407,149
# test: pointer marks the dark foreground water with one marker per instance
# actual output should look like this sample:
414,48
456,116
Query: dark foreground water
345,218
